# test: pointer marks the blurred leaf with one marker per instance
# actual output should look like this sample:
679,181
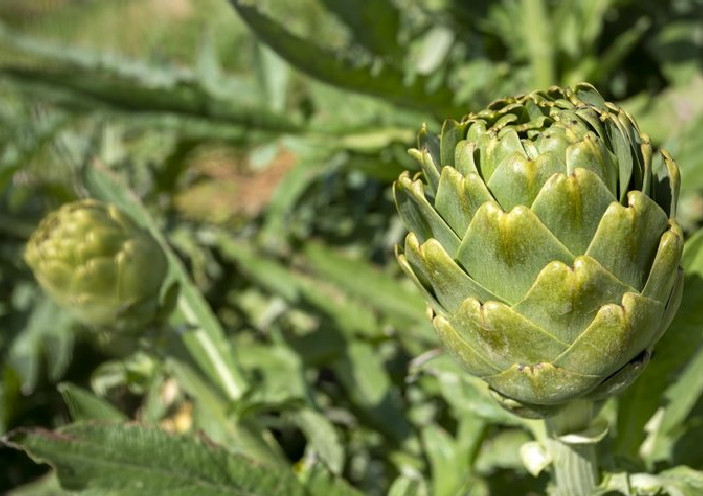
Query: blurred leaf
677,353
319,482
370,388
598,69
49,333
9,394
351,317
88,80
45,486
129,459
679,400
408,485
373,78
203,335
308,167
212,416
451,459
668,116
279,371
677,481
273,74
431,51
23,143
322,438
366,282
681,396
688,150
678,46
467,395
374,23
502,451
84,405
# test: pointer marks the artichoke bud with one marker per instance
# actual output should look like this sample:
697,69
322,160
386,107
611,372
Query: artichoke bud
544,239
95,261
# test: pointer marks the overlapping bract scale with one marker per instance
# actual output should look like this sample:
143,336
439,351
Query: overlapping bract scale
96,261
545,244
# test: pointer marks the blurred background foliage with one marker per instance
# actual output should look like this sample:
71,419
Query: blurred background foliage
261,141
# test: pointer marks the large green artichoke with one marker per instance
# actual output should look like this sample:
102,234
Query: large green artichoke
545,245
99,264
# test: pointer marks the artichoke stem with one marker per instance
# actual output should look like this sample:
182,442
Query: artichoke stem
575,466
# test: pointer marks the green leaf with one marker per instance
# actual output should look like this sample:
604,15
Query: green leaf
88,80
370,388
408,485
350,316
320,482
44,486
677,481
451,459
366,282
322,438
280,372
49,333
212,415
204,337
676,356
374,23
467,396
502,451
343,70
274,75
130,459
9,395
84,405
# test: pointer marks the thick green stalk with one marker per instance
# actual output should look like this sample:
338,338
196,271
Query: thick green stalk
575,466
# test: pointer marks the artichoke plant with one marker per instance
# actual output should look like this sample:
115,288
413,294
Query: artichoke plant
94,260
544,241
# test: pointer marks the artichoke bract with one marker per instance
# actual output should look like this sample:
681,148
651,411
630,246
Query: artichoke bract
95,261
544,241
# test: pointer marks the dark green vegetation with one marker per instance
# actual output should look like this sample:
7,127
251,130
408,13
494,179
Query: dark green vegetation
259,145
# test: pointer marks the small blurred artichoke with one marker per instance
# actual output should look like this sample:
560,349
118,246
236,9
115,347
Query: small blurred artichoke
545,245
99,264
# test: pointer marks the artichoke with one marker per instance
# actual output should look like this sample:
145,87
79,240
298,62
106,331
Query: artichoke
92,259
544,241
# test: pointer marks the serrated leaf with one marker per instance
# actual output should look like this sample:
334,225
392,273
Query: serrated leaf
130,459
343,70
84,405
90,80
